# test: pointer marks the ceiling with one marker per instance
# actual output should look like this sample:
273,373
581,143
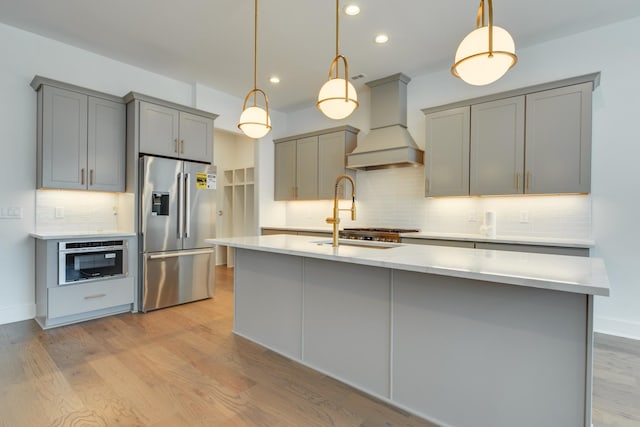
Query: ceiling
211,42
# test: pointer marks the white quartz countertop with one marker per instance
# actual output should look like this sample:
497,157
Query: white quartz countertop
516,240
555,272
58,235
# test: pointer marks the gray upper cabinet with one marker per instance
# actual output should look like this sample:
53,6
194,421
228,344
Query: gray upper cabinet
306,166
285,171
80,138
159,130
332,150
558,140
534,140
166,131
105,145
447,153
497,147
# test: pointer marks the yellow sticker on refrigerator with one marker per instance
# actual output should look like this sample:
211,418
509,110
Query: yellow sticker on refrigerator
201,181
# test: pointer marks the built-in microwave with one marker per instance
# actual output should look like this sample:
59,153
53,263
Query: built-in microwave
91,260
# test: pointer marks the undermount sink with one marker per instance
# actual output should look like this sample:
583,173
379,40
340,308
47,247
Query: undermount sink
360,243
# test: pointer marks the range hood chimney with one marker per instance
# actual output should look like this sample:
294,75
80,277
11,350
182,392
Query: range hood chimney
388,144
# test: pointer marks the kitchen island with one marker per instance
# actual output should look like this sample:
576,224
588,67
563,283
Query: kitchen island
461,337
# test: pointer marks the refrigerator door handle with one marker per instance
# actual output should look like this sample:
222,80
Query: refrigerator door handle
181,253
180,205
187,205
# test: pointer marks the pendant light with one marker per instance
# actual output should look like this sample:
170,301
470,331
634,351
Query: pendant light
337,98
486,53
254,120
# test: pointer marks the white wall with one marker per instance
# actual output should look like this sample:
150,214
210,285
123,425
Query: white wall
611,210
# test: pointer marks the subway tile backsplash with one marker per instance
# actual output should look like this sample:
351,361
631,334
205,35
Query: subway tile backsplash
81,211
395,198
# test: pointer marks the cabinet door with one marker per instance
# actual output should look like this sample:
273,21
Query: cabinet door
331,164
158,130
497,147
558,151
196,137
307,168
285,170
447,153
106,145
64,139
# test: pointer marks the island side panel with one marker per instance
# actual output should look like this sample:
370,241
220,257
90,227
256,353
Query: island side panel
347,323
470,353
268,300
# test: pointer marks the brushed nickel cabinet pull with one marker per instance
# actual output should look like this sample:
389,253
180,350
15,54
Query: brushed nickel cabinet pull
528,183
176,147
95,296
90,176
182,147
517,181
426,184
82,177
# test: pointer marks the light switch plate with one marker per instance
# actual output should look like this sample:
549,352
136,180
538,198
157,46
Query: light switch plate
59,212
11,213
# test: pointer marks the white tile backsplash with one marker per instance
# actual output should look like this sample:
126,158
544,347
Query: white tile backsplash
84,211
395,198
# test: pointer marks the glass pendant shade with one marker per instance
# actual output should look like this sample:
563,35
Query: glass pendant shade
486,53
337,100
255,122
476,65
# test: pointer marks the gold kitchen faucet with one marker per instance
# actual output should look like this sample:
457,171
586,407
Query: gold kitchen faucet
335,220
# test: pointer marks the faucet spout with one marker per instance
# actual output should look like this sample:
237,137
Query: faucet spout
335,219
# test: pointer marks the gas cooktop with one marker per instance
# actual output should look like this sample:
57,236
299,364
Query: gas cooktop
379,234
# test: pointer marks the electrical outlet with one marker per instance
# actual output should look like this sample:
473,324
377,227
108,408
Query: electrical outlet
472,216
524,217
59,212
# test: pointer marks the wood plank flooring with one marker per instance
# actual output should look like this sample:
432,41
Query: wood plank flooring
182,366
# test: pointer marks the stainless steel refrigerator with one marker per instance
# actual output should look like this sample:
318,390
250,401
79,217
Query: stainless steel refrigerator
177,212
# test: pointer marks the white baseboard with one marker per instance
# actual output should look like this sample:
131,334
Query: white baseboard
617,327
17,313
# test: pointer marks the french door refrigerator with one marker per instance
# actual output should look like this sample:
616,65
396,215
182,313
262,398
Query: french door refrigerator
177,212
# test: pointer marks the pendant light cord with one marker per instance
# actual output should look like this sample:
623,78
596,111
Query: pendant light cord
255,52
337,31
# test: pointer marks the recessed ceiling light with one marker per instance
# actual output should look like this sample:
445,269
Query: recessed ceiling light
381,38
351,9
274,79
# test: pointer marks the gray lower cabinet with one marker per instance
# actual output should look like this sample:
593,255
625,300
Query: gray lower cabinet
58,305
537,141
307,165
447,153
169,132
80,138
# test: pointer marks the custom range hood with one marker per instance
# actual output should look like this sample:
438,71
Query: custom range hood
388,144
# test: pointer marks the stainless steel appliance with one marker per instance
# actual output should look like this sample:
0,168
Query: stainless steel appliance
377,234
91,260
177,212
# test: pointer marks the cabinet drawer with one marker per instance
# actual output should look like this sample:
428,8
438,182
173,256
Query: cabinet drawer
81,298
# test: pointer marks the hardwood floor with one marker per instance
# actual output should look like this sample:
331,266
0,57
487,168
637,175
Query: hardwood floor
182,366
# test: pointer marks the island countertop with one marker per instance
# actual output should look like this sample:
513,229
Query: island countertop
564,273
